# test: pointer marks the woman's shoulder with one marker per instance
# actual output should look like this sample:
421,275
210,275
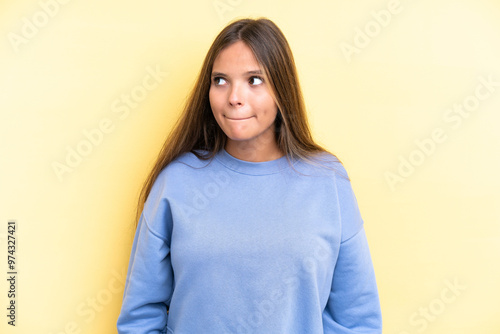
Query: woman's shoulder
324,162
185,162
193,159
178,171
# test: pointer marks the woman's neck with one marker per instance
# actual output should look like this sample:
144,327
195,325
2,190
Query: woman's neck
254,150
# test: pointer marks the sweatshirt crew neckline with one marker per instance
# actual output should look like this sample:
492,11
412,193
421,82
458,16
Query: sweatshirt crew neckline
250,167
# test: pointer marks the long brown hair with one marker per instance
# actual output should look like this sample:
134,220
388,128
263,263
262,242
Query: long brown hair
197,128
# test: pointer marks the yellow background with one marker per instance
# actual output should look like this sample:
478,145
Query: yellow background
436,226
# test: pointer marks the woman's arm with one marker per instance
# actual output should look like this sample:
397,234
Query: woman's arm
149,284
353,306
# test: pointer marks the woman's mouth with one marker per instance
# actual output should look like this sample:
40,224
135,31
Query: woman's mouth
238,118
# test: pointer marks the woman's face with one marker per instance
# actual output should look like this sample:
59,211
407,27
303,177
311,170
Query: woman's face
240,99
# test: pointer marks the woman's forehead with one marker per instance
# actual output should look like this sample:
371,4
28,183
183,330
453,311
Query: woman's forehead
236,57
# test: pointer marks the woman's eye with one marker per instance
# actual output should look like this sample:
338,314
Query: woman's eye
219,81
256,81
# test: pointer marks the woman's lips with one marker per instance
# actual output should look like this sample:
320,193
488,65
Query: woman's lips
238,118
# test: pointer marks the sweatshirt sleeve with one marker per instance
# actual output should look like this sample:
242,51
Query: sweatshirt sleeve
353,306
149,283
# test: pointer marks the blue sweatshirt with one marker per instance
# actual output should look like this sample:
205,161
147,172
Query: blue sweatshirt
232,246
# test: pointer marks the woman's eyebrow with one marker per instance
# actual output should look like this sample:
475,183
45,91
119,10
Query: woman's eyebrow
214,74
218,74
254,72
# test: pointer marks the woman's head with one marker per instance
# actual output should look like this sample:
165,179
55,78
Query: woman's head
243,104
202,127
274,57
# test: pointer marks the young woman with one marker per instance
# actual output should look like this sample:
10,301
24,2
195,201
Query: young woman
245,224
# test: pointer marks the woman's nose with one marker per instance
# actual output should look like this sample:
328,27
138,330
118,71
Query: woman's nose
236,95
